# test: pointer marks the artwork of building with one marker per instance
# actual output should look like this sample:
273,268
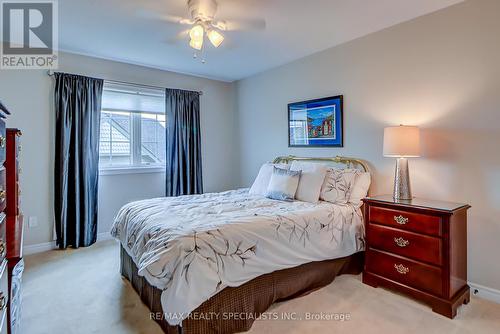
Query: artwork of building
320,128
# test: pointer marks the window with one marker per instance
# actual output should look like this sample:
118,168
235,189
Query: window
132,133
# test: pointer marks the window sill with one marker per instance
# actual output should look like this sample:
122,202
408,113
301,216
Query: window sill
131,170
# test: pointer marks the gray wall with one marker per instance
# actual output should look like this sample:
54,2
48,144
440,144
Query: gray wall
28,93
440,72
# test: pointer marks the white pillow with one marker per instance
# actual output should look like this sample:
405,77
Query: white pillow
259,186
311,180
360,189
338,185
283,184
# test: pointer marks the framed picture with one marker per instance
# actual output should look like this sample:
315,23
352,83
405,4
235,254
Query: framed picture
316,123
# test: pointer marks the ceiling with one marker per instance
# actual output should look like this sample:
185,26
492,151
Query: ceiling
122,30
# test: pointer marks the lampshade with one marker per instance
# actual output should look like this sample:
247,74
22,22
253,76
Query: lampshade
196,32
196,43
215,38
402,141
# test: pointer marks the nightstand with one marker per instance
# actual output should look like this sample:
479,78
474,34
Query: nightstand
418,247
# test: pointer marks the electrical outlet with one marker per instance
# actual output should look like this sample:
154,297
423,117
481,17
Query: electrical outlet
33,222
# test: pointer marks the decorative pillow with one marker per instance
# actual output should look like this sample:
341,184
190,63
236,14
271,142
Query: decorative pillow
283,184
311,180
360,188
338,185
259,186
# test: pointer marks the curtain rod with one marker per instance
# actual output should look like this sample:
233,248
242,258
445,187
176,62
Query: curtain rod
51,74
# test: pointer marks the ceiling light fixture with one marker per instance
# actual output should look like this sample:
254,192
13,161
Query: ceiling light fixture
197,35
202,20
215,37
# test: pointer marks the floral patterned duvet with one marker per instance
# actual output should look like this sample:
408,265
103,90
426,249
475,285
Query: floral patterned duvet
191,247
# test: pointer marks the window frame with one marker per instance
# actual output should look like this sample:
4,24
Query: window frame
136,165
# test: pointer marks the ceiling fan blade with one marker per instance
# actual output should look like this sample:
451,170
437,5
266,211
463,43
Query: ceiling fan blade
165,17
175,19
182,35
243,24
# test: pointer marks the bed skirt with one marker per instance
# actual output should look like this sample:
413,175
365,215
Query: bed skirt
251,298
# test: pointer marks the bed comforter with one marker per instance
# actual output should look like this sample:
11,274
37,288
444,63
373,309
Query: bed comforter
191,247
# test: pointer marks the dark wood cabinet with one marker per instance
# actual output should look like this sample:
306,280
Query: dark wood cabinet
14,229
419,248
4,275
12,172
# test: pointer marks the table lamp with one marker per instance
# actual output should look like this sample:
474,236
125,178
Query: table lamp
402,142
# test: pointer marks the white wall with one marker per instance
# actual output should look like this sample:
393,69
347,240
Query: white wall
28,94
440,72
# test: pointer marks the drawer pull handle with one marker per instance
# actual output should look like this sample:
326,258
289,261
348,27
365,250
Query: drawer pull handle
2,141
2,249
401,242
401,269
401,220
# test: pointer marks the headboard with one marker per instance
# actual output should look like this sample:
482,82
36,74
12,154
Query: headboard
349,162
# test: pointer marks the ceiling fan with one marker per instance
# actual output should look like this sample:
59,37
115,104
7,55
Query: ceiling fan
203,23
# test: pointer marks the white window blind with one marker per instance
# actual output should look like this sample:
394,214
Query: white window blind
133,98
132,133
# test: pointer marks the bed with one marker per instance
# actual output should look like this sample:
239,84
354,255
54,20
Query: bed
213,263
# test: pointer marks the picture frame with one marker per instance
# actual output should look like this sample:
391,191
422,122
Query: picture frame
316,123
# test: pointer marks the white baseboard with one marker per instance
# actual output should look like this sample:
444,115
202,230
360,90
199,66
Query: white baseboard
485,292
39,248
47,246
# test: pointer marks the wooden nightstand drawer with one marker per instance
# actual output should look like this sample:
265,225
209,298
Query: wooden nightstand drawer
416,246
410,221
405,271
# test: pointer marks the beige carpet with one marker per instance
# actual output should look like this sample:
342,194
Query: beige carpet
81,291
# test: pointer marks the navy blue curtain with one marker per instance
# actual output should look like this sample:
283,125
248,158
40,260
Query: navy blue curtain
183,159
78,110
